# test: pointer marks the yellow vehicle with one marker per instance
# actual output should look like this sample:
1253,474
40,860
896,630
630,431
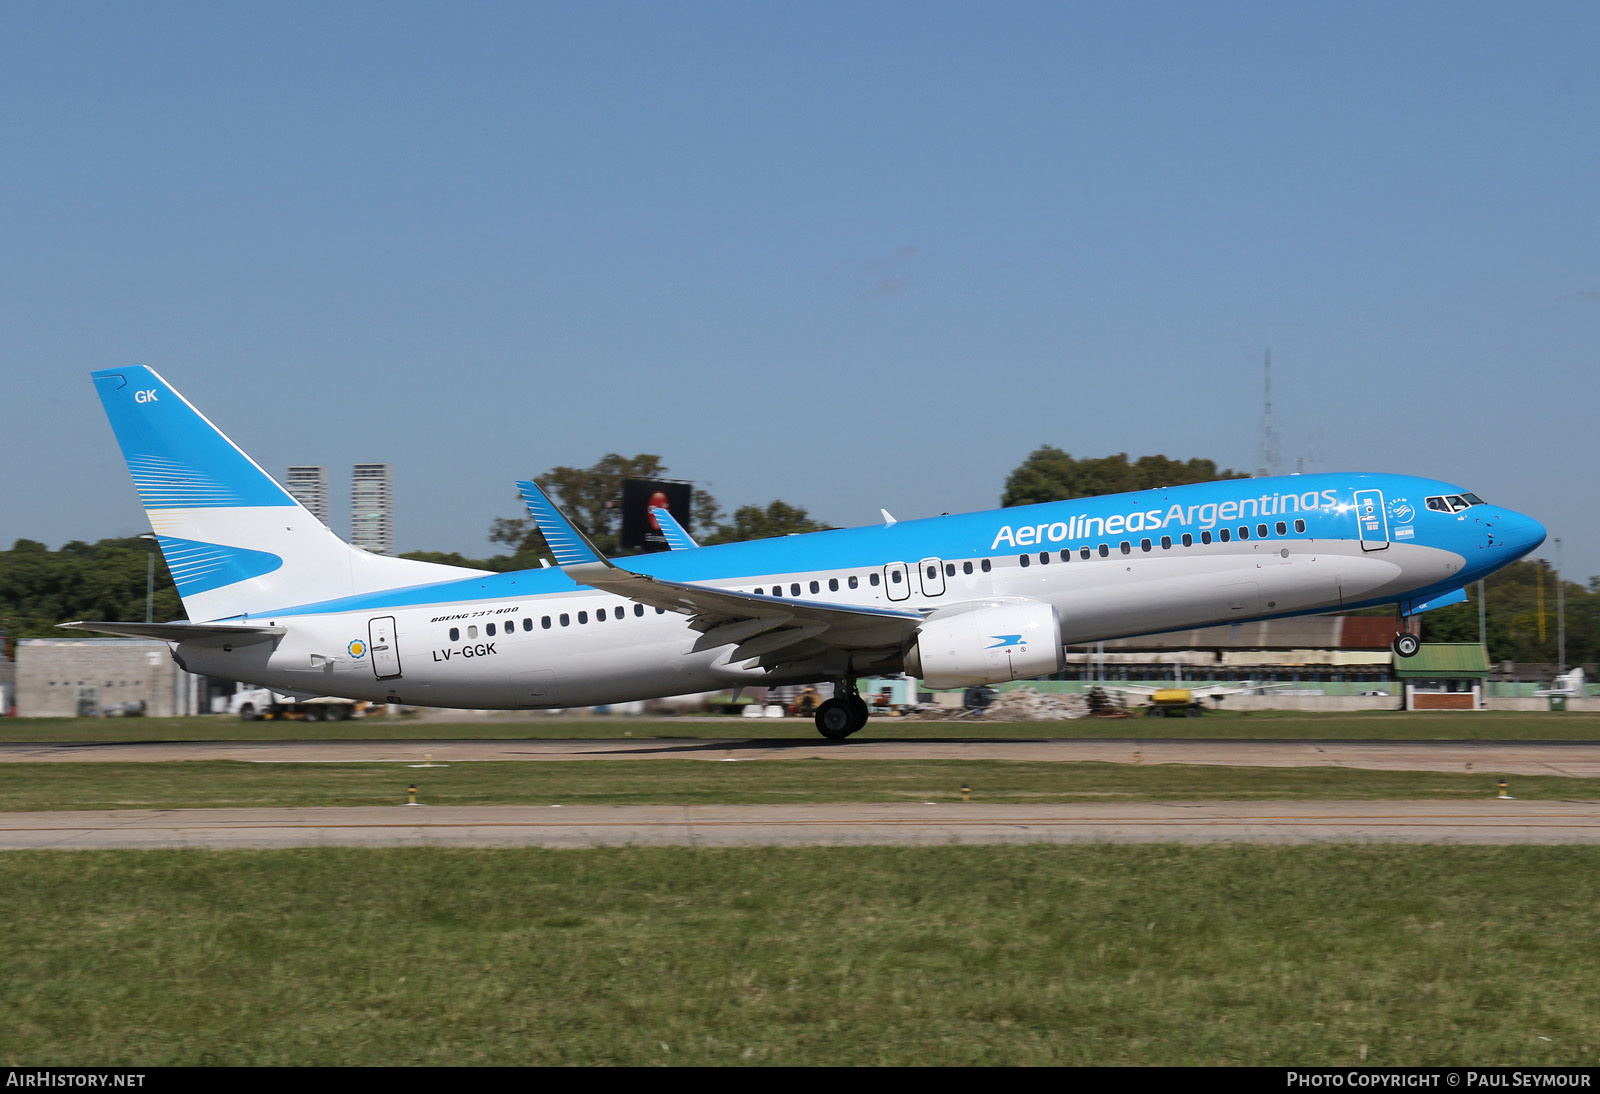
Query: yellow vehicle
1174,703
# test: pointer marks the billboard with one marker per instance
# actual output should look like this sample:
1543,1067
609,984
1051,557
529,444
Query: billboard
639,529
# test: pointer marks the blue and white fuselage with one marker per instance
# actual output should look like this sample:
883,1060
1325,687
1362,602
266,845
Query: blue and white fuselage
961,599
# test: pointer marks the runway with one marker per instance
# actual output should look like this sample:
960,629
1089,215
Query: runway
1569,758
1418,822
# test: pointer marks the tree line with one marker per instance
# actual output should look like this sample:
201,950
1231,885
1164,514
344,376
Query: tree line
106,580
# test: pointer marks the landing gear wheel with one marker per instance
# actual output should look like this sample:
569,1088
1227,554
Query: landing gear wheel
841,716
1407,645
836,719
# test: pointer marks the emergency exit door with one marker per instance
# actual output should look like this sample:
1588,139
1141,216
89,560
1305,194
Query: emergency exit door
381,641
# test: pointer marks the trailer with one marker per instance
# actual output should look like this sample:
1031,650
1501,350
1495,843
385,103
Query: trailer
263,704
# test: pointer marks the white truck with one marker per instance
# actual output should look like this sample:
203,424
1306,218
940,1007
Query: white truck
259,704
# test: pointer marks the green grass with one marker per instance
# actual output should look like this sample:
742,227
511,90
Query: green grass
1254,725
223,784
904,956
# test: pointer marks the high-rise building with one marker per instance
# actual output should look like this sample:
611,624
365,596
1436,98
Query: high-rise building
309,486
372,507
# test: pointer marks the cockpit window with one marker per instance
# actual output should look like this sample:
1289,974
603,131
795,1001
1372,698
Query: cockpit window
1453,503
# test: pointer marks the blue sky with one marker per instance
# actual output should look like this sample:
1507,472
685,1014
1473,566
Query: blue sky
848,255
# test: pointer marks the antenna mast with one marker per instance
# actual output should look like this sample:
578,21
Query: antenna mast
1269,453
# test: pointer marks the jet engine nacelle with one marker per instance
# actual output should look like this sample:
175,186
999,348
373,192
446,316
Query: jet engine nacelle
987,644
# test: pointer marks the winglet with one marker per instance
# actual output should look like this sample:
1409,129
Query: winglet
673,532
569,545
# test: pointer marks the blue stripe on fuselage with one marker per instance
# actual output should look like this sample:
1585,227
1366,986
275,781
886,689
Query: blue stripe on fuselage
982,535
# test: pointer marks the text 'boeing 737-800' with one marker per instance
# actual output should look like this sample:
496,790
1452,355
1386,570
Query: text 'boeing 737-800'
276,599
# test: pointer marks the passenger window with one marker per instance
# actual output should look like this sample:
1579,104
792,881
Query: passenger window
583,617
873,577
638,609
1105,552
794,588
1299,526
1144,545
985,565
1044,558
815,587
1188,540
545,622
949,569
527,622
966,567
1244,531
1261,531
1083,552
1023,559
455,634
661,611
1283,529
1066,553
600,616
1126,547
1224,534
833,584
854,584
896,577
472,632
1205,537
1166,543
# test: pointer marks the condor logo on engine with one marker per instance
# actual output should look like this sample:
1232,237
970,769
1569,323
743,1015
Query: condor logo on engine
1005,640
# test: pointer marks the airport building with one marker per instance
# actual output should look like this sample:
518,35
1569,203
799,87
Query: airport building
80,677
309,486
372,507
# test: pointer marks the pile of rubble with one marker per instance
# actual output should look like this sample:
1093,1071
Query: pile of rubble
1027,705
1021,705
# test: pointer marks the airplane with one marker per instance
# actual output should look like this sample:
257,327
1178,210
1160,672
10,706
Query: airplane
274,598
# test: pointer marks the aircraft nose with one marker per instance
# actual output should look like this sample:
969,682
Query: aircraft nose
1520,533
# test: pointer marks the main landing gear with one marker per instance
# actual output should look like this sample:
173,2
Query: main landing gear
842,715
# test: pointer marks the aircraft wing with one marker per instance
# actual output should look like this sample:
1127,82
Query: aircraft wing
569,545
210,634
733,616
772,629
677,539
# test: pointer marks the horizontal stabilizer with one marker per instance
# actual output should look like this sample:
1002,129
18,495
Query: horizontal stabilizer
211,634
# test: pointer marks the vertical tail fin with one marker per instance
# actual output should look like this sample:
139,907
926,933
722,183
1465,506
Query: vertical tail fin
235,541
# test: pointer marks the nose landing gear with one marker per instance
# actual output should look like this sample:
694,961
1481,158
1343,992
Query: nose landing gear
1407,645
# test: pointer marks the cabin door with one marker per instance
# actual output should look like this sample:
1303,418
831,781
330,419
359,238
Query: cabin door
930,571
385,653
1372,521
